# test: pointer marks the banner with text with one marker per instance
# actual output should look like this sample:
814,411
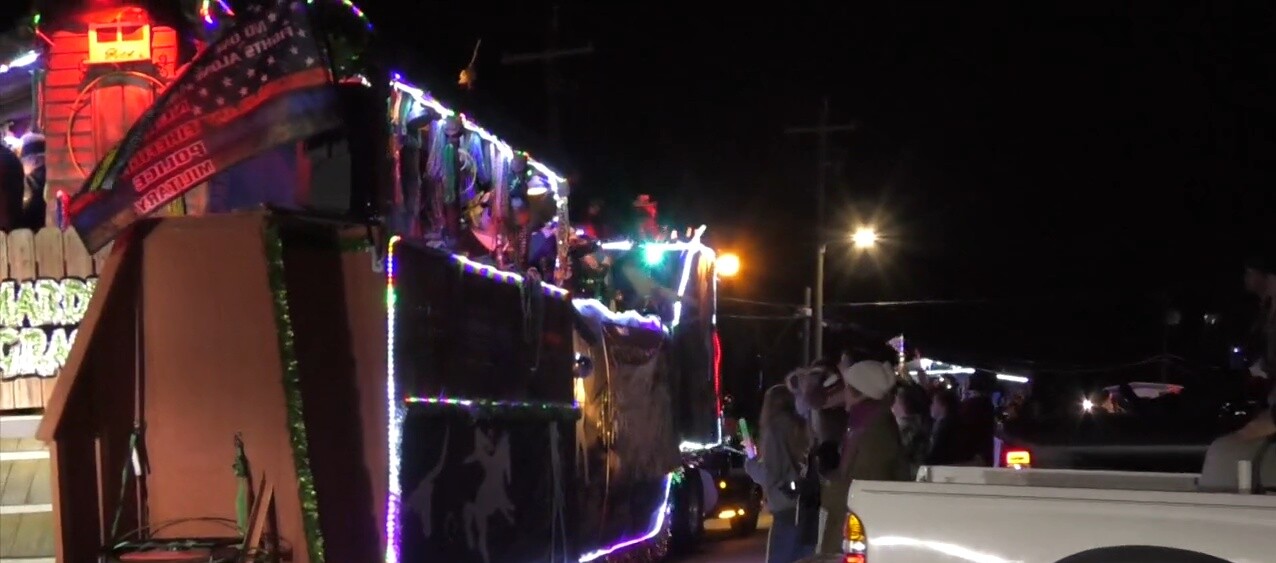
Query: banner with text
263,84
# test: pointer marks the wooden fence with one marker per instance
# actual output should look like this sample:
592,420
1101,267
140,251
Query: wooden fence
48,253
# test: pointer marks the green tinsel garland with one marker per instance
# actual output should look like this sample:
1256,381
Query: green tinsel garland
292,393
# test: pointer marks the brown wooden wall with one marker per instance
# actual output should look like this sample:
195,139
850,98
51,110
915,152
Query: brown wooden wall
27,255
97,119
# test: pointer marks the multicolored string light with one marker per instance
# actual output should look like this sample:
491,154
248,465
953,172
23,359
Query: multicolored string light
358,12
657,526
394,411
424,98
206,10
480,407
497,274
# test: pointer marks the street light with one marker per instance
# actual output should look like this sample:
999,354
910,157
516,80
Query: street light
864,238
728,265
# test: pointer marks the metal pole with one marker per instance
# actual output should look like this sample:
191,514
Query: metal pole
553,81
820,189
806,328
821,167
819,303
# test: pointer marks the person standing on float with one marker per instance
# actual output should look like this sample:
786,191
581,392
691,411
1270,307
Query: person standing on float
648,226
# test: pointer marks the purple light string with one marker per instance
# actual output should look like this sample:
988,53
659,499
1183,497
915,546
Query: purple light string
657,526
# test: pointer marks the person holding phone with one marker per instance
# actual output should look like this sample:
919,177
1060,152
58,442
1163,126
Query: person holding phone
777,467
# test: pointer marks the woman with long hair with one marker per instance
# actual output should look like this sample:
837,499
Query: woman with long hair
782,448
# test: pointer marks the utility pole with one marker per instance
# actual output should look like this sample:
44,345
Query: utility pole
553,84
821,131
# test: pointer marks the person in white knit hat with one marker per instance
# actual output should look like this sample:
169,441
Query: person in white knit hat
871,448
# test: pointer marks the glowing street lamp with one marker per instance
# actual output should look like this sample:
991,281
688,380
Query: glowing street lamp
728,265
864,238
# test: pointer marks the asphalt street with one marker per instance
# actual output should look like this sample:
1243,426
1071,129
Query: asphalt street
721,546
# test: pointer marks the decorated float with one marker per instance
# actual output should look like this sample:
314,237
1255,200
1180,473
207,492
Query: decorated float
643,392
421,388
653,401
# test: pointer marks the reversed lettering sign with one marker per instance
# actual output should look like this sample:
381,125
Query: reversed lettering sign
38,322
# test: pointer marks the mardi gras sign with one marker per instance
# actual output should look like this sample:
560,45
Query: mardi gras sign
38,322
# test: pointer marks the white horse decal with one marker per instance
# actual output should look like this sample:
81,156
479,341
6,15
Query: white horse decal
422,498
491,497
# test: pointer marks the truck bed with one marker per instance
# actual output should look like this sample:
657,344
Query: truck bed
1002,515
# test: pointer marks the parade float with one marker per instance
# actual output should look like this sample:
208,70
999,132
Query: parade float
420,388
616,432
653,401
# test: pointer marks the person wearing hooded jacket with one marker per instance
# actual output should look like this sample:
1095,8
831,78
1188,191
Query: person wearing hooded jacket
871,448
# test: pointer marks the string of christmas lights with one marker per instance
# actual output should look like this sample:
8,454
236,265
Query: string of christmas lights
395,412
206,10
497,274
424,98
486,408
659,525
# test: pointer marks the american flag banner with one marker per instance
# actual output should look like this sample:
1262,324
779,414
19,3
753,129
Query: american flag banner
262,84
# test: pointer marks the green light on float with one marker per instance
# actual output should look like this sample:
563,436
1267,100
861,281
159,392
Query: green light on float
653,255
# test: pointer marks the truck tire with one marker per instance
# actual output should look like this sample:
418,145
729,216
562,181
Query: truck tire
1140,554
688,512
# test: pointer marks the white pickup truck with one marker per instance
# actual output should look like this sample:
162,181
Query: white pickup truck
982,515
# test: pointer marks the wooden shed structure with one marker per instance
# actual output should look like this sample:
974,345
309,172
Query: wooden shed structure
201,329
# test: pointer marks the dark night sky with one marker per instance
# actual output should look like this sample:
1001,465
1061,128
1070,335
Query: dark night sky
1101,155
1098,154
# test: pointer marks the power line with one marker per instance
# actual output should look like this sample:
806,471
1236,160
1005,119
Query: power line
1021,364
929,302
548,58
857,303
761,317
909,303
743,301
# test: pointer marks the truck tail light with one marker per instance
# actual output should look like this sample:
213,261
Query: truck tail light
854,540
1017,458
